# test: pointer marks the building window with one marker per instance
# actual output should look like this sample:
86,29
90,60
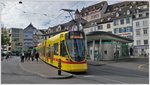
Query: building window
115,22
147,14
127,20
133,16
124,29
95,16
120,30
145,23
145,42
145,31
100,27
137,24
140,15
108,25
138,32
130,28
115,31
56,49
138,42
122,21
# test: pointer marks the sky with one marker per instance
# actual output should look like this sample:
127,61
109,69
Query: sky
41,13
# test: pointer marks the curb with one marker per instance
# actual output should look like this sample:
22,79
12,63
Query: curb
49,77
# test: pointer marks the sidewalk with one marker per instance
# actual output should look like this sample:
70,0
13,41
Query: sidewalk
44,70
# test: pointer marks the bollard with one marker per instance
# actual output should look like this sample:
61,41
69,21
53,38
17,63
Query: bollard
59,66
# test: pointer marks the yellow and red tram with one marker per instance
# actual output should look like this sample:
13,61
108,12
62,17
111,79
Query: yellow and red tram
68,46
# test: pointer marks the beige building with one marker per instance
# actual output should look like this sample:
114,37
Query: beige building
94,12
16,40
38,36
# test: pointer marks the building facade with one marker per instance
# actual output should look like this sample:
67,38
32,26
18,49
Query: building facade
38,36
28,32
16,40
141,33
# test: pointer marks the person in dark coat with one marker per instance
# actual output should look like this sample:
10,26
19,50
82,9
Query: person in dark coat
22,56
7,56
131,51
29,55
37,56
26,55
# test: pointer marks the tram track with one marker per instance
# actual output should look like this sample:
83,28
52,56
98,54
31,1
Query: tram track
96,78
110,74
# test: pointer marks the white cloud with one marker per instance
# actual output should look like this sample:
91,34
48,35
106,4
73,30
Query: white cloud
42,13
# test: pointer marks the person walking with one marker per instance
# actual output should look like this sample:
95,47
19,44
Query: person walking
37,56
29,55
22,56
7,56
26,56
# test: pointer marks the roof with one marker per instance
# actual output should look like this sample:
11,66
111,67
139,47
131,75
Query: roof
77,12
97,6
30,26
43,31
96,35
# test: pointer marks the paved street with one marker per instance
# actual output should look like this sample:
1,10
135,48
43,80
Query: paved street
111,73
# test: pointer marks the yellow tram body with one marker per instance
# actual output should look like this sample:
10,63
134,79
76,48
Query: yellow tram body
57,47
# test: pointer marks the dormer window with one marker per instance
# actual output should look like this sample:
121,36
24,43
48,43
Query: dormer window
128,12
134,2
102,20
116,8
120,9
108,18
93,7
130,7
117,14
137,11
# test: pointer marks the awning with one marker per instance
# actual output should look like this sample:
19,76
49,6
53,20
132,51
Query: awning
97,35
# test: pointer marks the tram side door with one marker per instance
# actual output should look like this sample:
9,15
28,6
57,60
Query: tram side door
52,53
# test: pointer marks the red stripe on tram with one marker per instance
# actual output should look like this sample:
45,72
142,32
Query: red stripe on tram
56,59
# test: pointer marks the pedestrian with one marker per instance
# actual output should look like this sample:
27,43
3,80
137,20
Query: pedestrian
22,56
32,56
131,51
37,56
26,55
29,55
7,56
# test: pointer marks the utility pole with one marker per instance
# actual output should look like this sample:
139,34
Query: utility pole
69,11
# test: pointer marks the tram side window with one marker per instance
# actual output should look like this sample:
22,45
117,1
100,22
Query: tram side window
43,50
63,51
48,51
56,49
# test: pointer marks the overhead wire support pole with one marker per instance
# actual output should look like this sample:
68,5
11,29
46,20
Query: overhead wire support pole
69,10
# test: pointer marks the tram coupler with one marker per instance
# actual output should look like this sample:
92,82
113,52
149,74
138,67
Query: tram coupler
59,66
